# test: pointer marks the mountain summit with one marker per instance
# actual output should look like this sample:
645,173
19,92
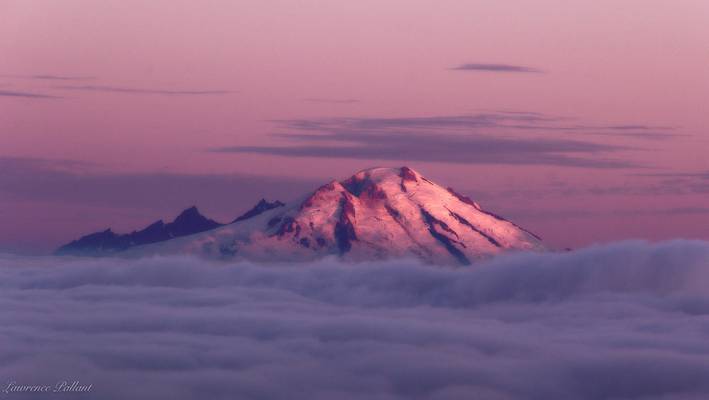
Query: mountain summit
377,213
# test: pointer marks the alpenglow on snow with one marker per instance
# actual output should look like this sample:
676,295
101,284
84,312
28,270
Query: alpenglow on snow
378,213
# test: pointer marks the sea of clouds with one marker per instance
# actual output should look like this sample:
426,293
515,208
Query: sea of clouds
628,320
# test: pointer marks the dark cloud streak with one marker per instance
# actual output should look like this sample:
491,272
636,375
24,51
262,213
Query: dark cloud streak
27,95
331,101
504,68
487,138
65,181
445,148
701,175
50,77
62,78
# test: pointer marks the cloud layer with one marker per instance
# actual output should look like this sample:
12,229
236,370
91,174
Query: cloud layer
628,320
67,181
512,138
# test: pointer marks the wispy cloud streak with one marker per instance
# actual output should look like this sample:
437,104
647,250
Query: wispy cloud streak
27,95
331,101
127,90
49,77
79,183
486,138
504,68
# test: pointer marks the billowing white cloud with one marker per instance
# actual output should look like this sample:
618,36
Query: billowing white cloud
627,320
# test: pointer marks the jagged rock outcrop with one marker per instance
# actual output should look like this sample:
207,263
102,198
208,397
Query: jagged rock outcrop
107,242
262,206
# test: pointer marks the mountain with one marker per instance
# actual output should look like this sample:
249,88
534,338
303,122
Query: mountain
260,207
107,242
376,214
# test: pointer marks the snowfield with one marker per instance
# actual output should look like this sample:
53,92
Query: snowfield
377,214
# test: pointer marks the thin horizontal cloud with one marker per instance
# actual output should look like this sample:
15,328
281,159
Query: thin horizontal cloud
50,77
701,175
127,90
661,211
62,78
446,148
620,213
31,164
67,181
647,135
492,121
654,186
331,101
636,127
26,95
489,138
505,68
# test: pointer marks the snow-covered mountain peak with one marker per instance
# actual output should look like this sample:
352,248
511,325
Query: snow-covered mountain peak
376,213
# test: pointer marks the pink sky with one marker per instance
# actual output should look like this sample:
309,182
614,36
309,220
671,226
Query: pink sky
156,85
